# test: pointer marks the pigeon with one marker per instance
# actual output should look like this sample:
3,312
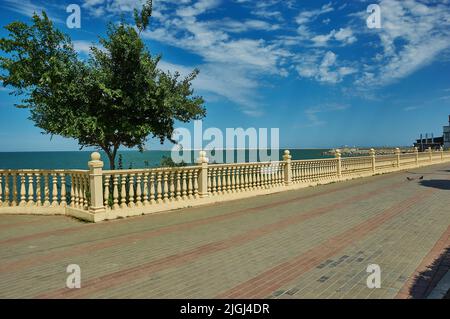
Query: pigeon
411,178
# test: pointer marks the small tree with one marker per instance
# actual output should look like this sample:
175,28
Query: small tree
118,97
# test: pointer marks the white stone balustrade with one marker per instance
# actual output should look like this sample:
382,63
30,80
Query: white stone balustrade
98,194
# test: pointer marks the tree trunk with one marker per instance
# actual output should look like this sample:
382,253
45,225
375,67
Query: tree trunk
111,156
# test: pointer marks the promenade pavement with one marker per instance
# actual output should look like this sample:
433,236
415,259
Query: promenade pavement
315,242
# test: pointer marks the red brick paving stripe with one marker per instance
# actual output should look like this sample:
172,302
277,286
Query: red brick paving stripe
125,239
435,252
65,231
23,223
271,280
136,272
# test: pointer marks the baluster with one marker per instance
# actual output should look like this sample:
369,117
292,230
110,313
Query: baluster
38,189
224,180
123,191
209,181
220,180
63,201
131,197
152,188
23,200
139,190
6,202
263,173
79,191
214,181
178,188
229,186
238,178
251,182
190,185
116,191
258,176
166,191
159,187
14,189
54,189
30,190
278,176
233,179
196,173
183,187
146,176
86,190
172,186
73,191
82,193
106,188
46,190
1,189
243,182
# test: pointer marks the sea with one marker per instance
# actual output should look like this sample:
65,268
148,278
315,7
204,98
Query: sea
136,159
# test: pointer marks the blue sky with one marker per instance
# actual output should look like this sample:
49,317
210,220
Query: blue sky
311,68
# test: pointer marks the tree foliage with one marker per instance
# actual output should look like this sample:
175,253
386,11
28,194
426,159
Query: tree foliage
117,97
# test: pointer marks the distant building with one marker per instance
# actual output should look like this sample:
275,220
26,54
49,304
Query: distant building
434,142
447,134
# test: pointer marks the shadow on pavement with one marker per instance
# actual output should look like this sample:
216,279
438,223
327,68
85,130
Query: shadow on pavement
426,281
437,183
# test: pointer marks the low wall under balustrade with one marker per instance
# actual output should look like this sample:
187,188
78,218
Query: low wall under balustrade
96,194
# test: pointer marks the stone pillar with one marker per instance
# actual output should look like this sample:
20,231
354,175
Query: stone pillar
203,175
416,152
442,153
430,153
372,154
338,155
287,168
96,184
397,153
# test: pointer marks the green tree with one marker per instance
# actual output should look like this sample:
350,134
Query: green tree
117,97
167,161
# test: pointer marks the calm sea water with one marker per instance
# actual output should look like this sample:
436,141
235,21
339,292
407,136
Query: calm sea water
134,159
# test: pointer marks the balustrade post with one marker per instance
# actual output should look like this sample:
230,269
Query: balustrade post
372,154
416,152
397,153
96,184
203,175
430,154
338,155
287,168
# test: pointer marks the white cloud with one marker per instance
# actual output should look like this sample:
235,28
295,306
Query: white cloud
27,8
412,36
308,16
82,46
323,67
312,113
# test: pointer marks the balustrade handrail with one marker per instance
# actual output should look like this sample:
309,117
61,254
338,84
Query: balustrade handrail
45,171
316,160
150,169
221,165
